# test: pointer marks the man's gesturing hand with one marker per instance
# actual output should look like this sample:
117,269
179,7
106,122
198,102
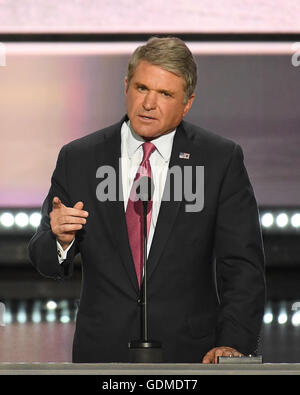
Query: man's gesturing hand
214,353
66,221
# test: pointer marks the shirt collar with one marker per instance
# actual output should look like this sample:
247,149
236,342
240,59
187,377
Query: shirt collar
163,143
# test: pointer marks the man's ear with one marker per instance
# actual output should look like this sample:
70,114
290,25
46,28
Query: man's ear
126,85
188,104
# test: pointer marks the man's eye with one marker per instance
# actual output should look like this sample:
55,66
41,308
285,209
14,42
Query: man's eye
166,94
142,88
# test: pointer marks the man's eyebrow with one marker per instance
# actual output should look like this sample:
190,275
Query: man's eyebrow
169,92
140,84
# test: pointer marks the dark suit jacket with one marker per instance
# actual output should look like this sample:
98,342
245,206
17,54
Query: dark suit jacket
187,313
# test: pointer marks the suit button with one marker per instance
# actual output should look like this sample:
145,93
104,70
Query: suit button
139,301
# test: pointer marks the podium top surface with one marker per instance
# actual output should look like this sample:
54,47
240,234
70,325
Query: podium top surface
53,368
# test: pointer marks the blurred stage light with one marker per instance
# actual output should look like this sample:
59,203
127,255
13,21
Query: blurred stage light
65,317
282,220
51,316
268,317
51,305
65,311
282,318
296,318
35,219
8,318
295,220
272,220
18,221
21,219
21,314
36,315
7,219
267,220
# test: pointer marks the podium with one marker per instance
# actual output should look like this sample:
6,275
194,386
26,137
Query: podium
157,369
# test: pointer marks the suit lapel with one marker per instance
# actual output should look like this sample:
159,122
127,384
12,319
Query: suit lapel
108,153
169,208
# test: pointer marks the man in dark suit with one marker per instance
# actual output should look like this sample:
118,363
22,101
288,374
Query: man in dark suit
206,284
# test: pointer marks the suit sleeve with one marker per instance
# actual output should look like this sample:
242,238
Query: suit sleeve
42,247
240,260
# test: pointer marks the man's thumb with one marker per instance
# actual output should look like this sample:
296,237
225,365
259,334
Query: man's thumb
78,205
56,203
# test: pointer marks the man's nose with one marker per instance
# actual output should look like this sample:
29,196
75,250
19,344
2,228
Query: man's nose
150,101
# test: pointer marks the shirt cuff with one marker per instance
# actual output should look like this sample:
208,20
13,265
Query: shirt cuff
61,253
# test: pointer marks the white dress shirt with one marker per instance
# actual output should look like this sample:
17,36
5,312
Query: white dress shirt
131,157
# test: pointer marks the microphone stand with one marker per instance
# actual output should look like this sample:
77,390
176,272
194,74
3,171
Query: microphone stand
145,350
144,283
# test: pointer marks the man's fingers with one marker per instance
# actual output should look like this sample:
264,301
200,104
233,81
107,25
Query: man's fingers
70,228
76,211
209,357
219,353
212,355
73,212
70,219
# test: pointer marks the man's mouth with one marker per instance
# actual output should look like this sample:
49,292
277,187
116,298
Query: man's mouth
147,117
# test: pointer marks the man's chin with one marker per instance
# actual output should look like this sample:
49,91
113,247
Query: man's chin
146,133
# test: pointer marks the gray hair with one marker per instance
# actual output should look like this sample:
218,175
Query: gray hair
171,54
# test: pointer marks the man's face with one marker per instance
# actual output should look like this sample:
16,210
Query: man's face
154,100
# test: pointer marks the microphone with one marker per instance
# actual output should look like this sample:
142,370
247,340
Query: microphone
145,350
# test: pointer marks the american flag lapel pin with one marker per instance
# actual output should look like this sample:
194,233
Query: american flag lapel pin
184,155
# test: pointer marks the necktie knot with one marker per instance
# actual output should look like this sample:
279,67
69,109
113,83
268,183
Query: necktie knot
148,148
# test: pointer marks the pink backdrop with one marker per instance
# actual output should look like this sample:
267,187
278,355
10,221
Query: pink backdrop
123,16
53,93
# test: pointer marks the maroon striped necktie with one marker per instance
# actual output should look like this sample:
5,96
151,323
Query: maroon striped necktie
134,213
